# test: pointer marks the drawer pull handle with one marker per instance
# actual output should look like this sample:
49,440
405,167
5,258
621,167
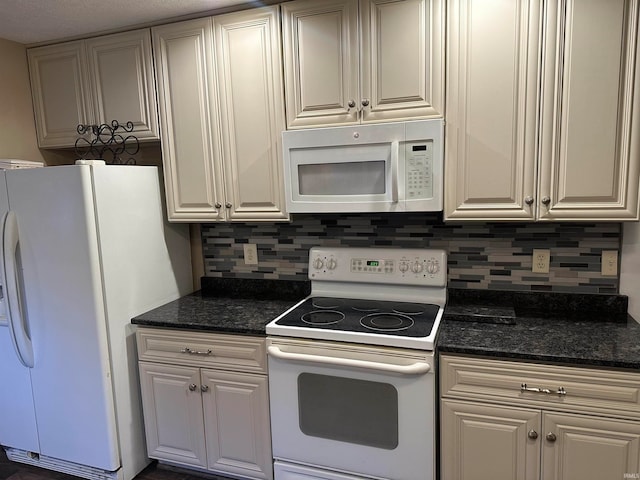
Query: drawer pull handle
195,352
523,388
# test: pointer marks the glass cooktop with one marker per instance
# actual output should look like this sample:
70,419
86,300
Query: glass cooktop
363,316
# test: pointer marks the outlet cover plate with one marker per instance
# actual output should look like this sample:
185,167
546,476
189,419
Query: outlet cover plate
250,254
609,263
540,260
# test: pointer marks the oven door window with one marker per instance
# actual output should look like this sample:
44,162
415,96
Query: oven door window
348,410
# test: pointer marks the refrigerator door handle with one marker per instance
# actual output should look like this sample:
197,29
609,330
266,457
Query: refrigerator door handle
15,317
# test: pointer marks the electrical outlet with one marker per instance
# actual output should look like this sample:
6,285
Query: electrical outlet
250,254
609,263
540,261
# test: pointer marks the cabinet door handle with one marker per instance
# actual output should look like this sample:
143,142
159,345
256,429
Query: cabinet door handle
532,434
193,387
551,437
528,200
228,205
524,388
352,103
546,201
365,102
204,388
218,205
196,352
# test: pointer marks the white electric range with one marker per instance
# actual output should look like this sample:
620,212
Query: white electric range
352,369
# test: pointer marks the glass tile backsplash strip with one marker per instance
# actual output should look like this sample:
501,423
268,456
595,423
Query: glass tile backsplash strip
480,255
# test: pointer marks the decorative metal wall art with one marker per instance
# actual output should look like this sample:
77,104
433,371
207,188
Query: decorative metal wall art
110,139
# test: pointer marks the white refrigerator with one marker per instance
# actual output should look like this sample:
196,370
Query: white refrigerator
84,249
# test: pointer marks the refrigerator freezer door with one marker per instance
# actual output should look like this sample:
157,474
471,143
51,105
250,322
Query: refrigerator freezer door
71,376
17,416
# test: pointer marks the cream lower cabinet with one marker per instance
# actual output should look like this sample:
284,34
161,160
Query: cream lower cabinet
352,61
93,81
494,427
206,402
542,105
222,115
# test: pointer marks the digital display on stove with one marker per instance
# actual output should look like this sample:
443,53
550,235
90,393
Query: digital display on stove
373,263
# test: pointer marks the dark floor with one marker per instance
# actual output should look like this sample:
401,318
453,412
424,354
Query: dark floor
21,471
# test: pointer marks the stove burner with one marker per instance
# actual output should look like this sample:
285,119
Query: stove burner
365,305
389,322
322,317
409,308
326,302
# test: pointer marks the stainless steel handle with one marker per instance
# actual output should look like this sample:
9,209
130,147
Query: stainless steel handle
365,102
524,388
546,201
417,368
551,437
15,315
218,205
532,434
528,200
204,388
395,152
228,205
193,387
352,103
196,352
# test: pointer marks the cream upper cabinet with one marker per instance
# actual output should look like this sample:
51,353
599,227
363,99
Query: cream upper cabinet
540,108
492,83
590,140
537,422
249,71
187,96
93,81
350,61
222,115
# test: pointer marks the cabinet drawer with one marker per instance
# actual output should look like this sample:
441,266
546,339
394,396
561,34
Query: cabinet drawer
202,349
547,386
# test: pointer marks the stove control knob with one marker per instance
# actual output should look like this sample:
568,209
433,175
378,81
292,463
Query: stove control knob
403,267
433,267
318,263
332,264
416,267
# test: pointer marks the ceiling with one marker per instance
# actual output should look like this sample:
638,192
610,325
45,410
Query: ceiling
41,21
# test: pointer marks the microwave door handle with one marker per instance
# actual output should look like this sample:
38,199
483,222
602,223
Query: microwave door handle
417,368
395,147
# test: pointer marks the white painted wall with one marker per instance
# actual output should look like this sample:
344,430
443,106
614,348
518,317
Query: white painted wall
630,267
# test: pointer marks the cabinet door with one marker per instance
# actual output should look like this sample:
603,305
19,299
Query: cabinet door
189,120
590,158
122,79
60,89
589,448
172,408
321,62
401,59
249,71
492,72
480,442
236,411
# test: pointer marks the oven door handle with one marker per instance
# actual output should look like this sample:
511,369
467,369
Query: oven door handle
417,368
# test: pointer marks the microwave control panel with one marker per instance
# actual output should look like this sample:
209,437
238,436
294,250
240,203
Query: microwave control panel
419,170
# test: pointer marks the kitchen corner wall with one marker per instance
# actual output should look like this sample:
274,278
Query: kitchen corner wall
493,256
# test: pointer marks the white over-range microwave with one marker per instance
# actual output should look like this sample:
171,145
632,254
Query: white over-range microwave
386,167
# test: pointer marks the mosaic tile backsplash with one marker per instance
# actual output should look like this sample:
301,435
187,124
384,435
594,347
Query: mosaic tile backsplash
494,256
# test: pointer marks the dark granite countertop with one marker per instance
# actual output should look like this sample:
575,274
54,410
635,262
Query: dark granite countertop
227,306
588,330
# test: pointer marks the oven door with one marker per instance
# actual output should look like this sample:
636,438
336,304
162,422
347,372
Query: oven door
344,169
366,411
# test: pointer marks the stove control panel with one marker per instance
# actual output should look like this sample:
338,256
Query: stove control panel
402,266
